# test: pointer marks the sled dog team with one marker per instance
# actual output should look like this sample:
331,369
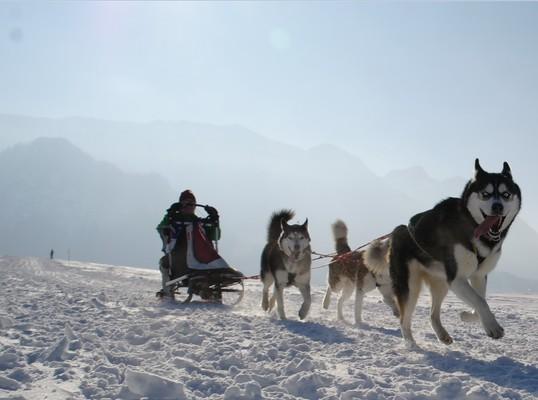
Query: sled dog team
453,246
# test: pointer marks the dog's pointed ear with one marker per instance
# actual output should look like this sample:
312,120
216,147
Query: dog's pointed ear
506,170
477,168
305,225
283,224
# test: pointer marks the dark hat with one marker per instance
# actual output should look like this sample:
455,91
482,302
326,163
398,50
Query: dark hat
187,195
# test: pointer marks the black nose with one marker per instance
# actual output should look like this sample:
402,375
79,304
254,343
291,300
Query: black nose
497,208
297,247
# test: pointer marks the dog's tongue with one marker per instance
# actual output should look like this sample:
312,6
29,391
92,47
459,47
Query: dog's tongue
484,227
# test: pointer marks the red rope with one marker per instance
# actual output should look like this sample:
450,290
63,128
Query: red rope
344,257
347,256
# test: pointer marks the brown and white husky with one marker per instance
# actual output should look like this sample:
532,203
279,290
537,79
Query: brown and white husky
350,274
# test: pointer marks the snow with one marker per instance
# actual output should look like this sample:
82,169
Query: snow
89,331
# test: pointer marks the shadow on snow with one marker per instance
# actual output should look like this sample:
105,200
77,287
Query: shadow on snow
503,371
315,331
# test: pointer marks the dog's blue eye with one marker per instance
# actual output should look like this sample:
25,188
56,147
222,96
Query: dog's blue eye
507,195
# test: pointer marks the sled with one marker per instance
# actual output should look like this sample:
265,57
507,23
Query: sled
204,272
222,286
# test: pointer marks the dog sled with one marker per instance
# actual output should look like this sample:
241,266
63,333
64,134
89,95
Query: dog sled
196,269
224,286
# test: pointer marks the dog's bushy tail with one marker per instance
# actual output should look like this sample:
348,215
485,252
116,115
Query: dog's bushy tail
275,228
376,256
340,237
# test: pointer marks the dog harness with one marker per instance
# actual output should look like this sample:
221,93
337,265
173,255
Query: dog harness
411,231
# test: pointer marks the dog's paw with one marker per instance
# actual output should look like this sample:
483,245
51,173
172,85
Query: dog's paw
326,302
467,316
495,331
303,312
265,304
446,339
411,345
360,325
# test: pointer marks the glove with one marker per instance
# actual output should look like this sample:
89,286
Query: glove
211,211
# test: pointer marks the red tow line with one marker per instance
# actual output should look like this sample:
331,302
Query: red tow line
345,257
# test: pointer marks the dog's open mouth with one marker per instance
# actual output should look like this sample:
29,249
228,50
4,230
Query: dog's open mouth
491,225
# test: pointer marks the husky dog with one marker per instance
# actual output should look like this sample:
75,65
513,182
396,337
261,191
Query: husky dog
285,261
455,245
348,275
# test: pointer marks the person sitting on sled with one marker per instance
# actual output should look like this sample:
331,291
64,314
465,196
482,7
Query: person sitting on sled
186,237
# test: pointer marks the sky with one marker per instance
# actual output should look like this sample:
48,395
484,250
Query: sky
398,84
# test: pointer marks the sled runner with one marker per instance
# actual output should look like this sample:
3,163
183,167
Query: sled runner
223,286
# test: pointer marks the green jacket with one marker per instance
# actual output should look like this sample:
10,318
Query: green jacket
174,214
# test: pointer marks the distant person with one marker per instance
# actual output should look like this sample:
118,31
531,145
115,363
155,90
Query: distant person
179,226
51,254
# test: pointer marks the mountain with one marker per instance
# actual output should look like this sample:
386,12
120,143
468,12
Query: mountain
416,183
98,211
245,175
56,196
504,282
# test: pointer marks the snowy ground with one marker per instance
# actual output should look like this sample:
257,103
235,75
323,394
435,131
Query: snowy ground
94,331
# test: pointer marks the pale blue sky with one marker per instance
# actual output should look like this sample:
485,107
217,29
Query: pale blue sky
398,84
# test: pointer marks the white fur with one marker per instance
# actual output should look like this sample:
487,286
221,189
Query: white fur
475,205
466,261
375,264
511,208
483,250
339,230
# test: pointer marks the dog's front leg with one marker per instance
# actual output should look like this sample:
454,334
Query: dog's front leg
307,300
462,289
479,284
267,280
359,296
388,298
279,296
327,298
302,282
281,278
347,291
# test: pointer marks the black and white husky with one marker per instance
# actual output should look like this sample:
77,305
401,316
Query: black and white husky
348,275
286,261
455,245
